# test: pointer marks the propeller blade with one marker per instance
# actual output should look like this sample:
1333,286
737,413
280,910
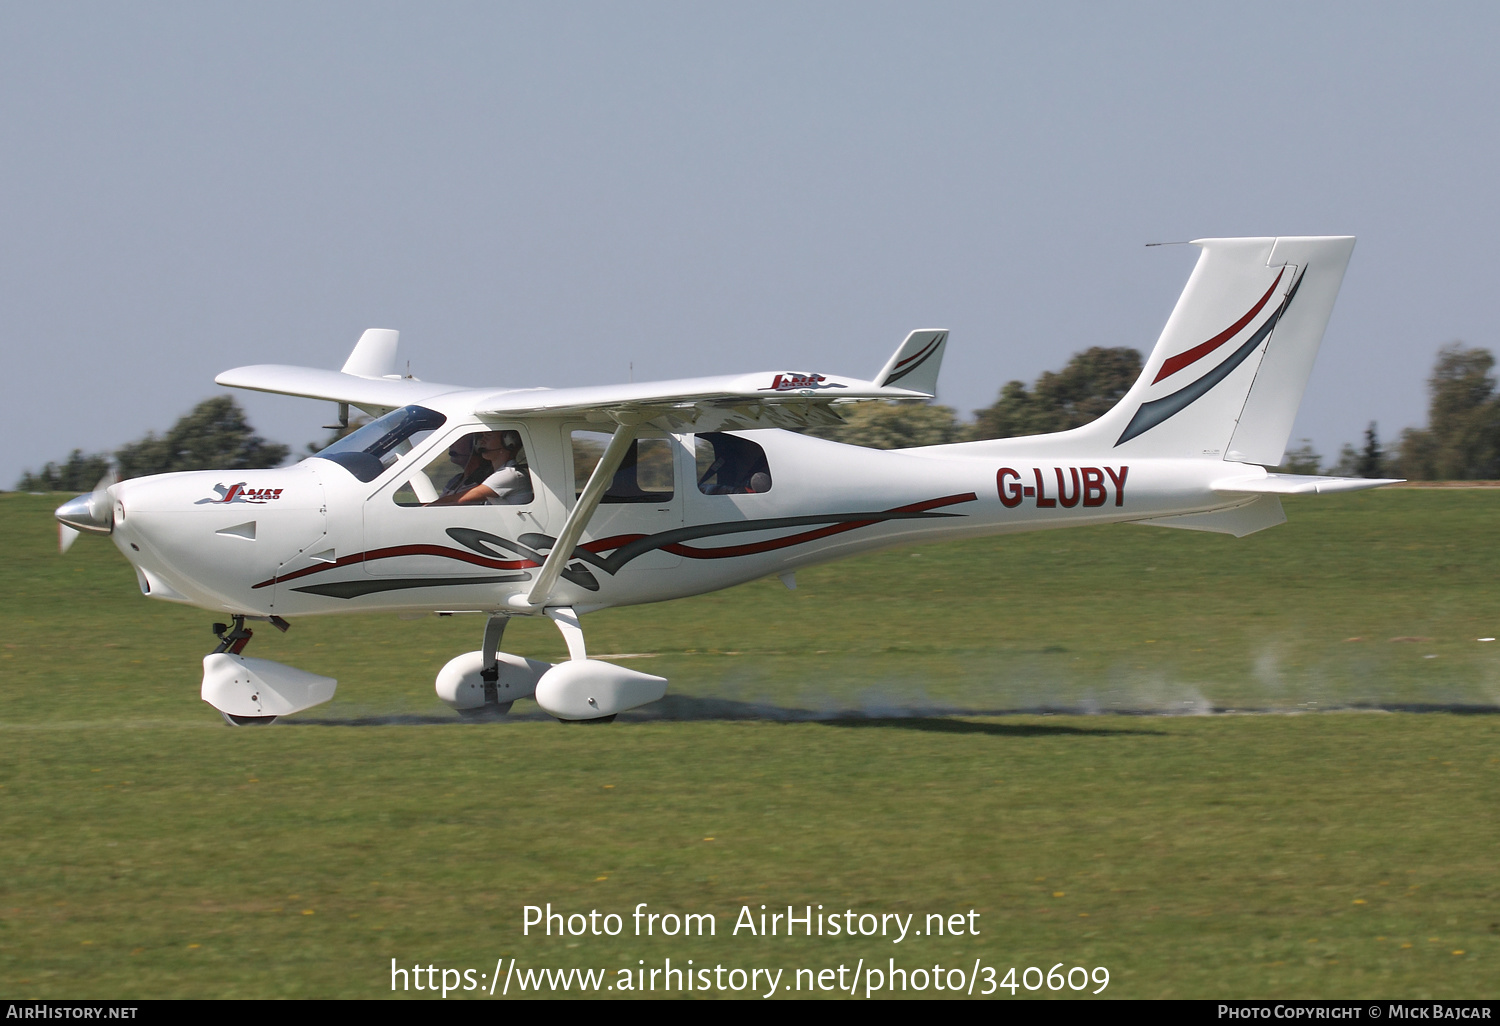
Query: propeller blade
66,536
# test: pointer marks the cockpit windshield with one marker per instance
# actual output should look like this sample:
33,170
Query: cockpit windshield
367,452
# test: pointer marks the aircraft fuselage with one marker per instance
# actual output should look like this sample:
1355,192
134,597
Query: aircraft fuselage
313,538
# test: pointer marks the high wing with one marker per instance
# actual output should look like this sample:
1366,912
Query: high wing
368,379
373,395
773,399
741,401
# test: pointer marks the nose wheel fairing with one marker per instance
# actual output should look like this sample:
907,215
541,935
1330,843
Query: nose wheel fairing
242,686
255,691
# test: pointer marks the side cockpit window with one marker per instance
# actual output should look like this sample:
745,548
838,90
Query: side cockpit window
730,465
480,468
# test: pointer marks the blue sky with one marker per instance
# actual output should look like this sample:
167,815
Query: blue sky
544,194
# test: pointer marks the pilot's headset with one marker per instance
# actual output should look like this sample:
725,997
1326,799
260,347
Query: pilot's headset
512,441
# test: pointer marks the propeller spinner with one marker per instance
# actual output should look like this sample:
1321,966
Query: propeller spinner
93,512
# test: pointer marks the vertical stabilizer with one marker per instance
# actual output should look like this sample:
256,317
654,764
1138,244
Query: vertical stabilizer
1228,372
915,364
1234,358
374,355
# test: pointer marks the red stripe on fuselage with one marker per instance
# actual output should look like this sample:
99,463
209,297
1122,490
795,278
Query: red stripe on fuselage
614,542
405,550
752,548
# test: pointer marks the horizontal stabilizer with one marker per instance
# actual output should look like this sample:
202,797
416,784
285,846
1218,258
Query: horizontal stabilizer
1257,515
1298,484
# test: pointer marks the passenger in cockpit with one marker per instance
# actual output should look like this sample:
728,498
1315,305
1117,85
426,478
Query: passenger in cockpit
739,466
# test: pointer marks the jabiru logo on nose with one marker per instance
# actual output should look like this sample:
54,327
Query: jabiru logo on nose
239,493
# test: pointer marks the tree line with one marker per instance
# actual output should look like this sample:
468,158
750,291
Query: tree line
1460,442
214,435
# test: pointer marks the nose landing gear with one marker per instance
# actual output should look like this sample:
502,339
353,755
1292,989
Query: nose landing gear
254,692
233,639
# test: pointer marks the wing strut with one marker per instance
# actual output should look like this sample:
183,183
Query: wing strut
583,510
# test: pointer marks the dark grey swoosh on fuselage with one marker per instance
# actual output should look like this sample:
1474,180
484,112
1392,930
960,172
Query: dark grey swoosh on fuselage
630,550
354,589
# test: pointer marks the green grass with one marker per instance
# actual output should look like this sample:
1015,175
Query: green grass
148,851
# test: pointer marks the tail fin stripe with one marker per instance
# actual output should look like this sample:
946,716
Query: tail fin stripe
903,371
1158,410
924,352
1198,352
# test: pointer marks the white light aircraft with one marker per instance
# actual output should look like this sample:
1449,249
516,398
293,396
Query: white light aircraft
539,502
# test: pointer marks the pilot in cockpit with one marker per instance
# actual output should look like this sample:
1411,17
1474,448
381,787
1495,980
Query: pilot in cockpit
472,467
507,485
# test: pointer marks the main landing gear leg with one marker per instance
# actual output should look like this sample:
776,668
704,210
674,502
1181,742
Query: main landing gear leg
572,632
232,639
494,631
482,685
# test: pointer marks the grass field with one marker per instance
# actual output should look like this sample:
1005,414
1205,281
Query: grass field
900,734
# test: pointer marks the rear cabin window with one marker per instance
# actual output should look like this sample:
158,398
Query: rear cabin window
644,476
730,465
